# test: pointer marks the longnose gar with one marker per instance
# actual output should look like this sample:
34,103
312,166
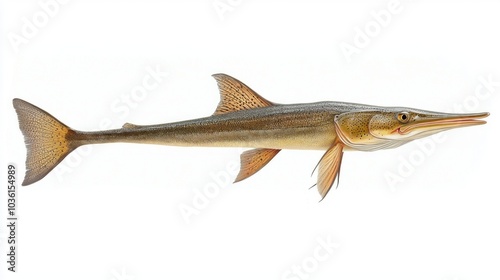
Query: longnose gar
245,119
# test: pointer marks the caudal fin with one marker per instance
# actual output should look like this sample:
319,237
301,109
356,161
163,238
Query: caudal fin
46,140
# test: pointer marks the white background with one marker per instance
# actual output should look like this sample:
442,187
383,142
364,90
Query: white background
113,212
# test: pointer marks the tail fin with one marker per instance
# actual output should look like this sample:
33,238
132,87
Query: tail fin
46,140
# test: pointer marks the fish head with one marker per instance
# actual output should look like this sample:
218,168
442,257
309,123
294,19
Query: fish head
393,127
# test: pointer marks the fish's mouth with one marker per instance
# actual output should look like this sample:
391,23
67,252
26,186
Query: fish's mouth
442,122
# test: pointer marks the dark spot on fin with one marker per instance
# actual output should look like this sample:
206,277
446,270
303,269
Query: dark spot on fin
253,161
236,96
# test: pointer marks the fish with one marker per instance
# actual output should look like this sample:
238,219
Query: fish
245,119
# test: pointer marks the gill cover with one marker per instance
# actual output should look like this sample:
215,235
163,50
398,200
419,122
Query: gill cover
368,130
386,124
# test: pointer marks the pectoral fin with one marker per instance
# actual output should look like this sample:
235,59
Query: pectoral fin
253,161
236,96
329,168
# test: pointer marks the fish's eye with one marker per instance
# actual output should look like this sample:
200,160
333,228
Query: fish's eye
403,117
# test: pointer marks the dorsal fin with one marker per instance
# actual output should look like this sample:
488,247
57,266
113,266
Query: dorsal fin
130,126
236,96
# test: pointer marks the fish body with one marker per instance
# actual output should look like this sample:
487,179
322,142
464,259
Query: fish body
245,119
297,126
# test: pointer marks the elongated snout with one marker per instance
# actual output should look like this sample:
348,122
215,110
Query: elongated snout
440,122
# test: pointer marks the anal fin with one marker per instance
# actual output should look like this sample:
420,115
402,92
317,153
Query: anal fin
253,161
329,168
